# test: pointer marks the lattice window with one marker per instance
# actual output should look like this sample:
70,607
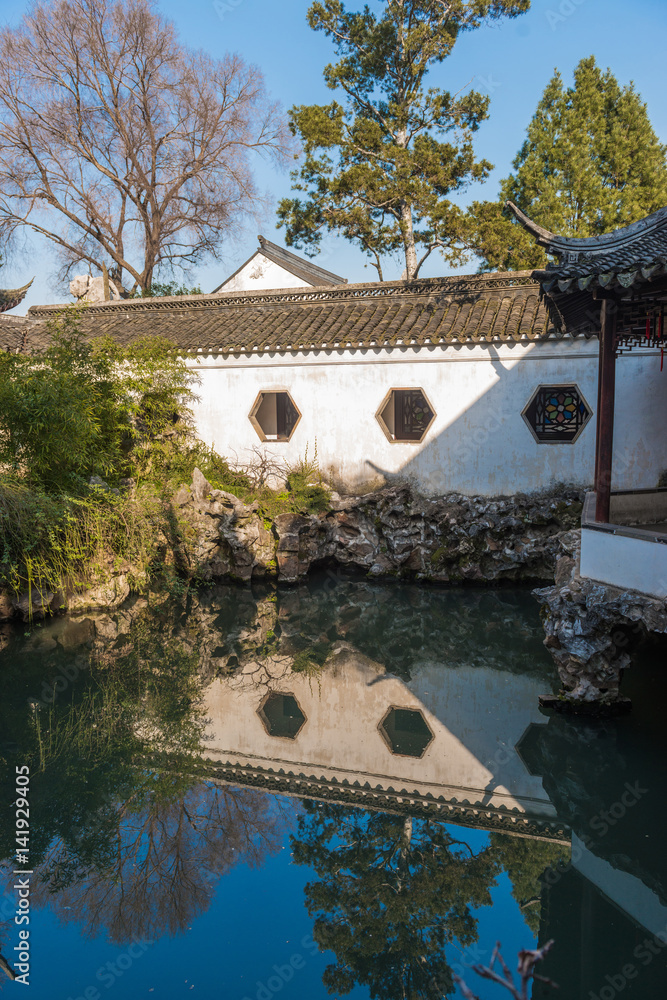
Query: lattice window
406,732
405,415
557,414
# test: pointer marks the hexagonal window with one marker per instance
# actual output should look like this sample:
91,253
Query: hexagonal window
557,414
405,415
274,416
406,732
281,715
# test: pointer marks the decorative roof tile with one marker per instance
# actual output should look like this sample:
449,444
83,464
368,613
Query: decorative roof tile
619,260
471,308
12,297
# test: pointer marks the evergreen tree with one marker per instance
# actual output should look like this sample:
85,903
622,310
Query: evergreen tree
525,862
393,892
590,164
379,167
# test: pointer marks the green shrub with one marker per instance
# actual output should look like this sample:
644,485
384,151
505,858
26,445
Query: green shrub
85,408
55,543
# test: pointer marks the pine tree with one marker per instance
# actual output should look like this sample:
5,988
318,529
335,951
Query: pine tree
392,893
379,167
590,164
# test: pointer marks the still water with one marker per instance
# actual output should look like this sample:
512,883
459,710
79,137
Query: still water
341,789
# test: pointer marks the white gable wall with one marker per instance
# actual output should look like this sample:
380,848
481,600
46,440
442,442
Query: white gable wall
260,272
478,442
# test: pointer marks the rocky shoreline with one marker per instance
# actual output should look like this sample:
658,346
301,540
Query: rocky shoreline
395,533
392,533
592,629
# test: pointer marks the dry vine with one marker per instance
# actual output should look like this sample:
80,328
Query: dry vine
528,959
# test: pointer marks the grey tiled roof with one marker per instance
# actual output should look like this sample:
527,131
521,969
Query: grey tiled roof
12,297
459,309
620,260
13,333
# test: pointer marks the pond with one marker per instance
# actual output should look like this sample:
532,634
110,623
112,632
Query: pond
342,788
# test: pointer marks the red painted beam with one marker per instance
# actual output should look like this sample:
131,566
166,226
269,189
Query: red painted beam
605,415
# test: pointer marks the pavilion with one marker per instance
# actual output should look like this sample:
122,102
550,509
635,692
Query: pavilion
615,286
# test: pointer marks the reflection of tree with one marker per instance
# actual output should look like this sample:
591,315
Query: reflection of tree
162,860
393,891
136,699
525,861
121,836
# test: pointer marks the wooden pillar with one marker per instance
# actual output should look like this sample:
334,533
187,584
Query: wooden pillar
605,416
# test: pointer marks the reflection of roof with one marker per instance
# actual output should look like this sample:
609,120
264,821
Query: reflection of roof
12,297
458,309
310,273
626,257
397,799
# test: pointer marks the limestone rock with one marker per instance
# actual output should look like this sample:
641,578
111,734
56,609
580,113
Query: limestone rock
591,628
106,595
394,532
6,608
85,288
33,605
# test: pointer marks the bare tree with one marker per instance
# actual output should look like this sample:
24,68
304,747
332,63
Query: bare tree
126,149
160,867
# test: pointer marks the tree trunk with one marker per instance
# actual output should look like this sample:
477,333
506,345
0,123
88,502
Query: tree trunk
6,968
409,246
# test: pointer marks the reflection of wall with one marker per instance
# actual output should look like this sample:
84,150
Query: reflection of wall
599,952
466,709
478,442
625,890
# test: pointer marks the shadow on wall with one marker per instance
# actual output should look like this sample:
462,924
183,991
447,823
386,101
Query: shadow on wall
489,449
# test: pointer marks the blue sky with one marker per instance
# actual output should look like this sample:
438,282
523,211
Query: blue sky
512,62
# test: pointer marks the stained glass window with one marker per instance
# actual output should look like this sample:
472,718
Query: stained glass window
405,415
557,413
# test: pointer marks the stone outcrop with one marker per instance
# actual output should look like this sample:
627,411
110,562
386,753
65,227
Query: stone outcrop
393,532
592,629
37,605
85,288
217,536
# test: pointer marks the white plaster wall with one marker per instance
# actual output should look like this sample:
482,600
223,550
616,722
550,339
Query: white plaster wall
625,562
469,759
478,442
260,272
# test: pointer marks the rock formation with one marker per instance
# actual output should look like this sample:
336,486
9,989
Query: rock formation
85,288
592,628
394,532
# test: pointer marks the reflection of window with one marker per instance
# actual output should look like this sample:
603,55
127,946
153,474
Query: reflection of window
557,414
274,416
405,415
281,715
406,732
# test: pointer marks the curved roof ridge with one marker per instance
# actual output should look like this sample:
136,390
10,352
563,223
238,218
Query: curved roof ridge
574,246
12,297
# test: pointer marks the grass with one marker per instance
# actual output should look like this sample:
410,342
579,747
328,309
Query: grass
57,542
52,543
303,492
